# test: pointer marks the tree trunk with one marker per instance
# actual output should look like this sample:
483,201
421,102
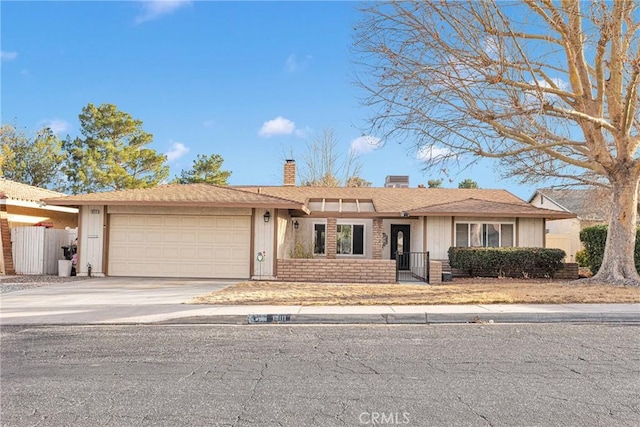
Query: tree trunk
618,263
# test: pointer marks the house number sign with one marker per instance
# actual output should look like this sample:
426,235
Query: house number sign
269,318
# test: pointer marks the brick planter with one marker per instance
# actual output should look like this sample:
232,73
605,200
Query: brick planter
337,270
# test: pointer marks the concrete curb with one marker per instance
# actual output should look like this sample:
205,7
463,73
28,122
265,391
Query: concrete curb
419,318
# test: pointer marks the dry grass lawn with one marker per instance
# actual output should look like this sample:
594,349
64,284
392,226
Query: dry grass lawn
460,291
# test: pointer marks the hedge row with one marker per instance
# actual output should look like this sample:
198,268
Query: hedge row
594,239
510,262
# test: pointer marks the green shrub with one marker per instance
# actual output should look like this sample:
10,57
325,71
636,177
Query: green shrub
511,262
582,259
594,240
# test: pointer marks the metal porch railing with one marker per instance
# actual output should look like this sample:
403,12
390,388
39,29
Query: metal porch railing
412,267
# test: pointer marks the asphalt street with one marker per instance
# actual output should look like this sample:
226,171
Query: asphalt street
298,375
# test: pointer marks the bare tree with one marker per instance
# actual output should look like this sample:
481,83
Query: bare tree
324,166
550,88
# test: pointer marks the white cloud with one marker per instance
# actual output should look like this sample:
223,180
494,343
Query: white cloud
178,149
293,63
57,126
532,97
154,9
431,152
365,144
558,82
277,126
8,56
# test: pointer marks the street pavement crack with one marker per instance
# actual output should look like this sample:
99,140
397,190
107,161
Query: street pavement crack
473,411
252,393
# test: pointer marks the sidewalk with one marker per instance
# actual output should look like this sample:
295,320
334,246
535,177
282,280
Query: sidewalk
252,314
420,314
149,301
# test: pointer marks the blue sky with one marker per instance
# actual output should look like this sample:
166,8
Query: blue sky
251,81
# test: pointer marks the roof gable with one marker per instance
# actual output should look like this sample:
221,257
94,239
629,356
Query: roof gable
588,204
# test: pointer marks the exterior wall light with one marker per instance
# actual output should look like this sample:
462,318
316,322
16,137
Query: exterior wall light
266,216
296,224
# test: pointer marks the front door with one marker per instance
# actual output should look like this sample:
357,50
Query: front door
401,244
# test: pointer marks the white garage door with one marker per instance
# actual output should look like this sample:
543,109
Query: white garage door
179,246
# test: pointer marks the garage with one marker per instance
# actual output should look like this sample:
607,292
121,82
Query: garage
198,246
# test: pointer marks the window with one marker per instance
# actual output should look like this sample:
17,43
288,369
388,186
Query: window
488,234
319,231
350,239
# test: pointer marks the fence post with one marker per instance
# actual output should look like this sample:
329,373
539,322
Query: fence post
397,267
426,276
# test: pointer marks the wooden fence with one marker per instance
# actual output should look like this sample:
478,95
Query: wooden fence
36,250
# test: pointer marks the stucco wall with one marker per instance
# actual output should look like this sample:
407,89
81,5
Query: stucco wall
567,228
416,236
304,235
284,235
60,220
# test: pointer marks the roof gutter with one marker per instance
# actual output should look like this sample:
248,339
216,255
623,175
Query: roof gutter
37,205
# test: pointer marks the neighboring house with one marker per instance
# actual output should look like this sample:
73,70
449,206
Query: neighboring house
200,230
591,207
22,205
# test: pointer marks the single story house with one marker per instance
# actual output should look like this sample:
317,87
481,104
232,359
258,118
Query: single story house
22,205
25,207
291,232
590,206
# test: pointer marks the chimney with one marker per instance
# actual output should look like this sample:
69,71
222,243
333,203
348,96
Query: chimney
397,181
290,172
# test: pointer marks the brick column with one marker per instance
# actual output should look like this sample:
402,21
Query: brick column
5,233
377,238
435,272
332,238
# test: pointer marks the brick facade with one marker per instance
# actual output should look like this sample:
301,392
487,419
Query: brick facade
5,234
337,270
332,238
435,272
377,238
569,271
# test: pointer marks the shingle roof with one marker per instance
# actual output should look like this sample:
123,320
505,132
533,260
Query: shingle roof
387,201
588,204
395,200
484,208
18,191
179,194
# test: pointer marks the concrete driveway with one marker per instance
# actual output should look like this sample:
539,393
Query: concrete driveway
106,300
